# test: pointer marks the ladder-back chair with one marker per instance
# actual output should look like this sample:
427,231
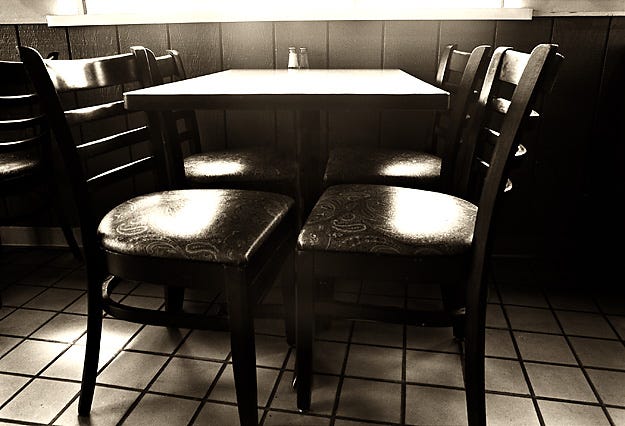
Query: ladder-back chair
234,240
460,73
390,233
25,147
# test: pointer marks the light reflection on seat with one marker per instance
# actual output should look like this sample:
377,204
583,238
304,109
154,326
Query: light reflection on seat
219,168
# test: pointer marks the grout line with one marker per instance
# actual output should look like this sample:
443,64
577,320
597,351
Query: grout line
283,370
580,364
515,344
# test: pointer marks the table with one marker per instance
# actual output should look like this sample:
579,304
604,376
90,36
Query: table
307,92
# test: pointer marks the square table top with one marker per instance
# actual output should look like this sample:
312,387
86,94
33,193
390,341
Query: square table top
293,89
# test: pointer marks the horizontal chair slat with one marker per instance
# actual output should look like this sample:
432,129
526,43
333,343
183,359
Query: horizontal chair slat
122,172
94,112
111,143
24,144
23,123
81,74
16,101
513,66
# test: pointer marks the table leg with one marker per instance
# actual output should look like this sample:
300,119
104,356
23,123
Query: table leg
309,157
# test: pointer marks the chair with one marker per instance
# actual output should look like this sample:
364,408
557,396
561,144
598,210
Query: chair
250,168
460,73
390,233
257,168
233,240
25,145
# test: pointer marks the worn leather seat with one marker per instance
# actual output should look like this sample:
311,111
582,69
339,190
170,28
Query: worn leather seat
17,164
251,167
399,167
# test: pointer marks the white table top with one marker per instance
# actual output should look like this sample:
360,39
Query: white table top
306,89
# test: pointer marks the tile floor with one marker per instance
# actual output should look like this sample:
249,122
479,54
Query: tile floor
556,356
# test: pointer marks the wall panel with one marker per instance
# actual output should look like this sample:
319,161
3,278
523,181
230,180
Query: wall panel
249,45
413,47
356,44
45,39
467,34
8,41
571,110
313,36
199,46
605,168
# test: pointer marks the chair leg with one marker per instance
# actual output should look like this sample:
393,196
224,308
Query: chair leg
242,346
92,350
454,302
474,360
288,298
305,329
174,299
325,291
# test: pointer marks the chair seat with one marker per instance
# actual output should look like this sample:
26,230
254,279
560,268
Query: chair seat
412,169
17,164
388,219
242,166
214,225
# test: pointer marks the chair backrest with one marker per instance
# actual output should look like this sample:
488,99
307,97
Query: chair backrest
105,149
451,65
24,132
460,73
179,127
491,145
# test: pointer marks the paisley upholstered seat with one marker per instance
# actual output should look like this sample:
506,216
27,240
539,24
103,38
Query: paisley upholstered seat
212,225
252,167
387,219
399,167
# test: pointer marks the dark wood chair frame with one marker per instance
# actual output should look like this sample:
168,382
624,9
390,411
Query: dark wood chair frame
169,67
181,126
461,74
245,284
24,132
484,155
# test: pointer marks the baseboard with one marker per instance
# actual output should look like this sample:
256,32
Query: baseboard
43,236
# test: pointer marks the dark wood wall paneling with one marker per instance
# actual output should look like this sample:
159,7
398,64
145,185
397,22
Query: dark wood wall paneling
603,162
565,144
566,162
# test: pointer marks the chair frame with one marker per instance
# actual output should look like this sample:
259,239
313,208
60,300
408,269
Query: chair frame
157,70
245,284
27,131
460,73
463,278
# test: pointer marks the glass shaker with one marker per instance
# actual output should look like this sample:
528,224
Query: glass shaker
303,58
293,60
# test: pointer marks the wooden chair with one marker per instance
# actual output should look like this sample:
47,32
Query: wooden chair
230,239
251,168
259,168
390,233
460,73
25,146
